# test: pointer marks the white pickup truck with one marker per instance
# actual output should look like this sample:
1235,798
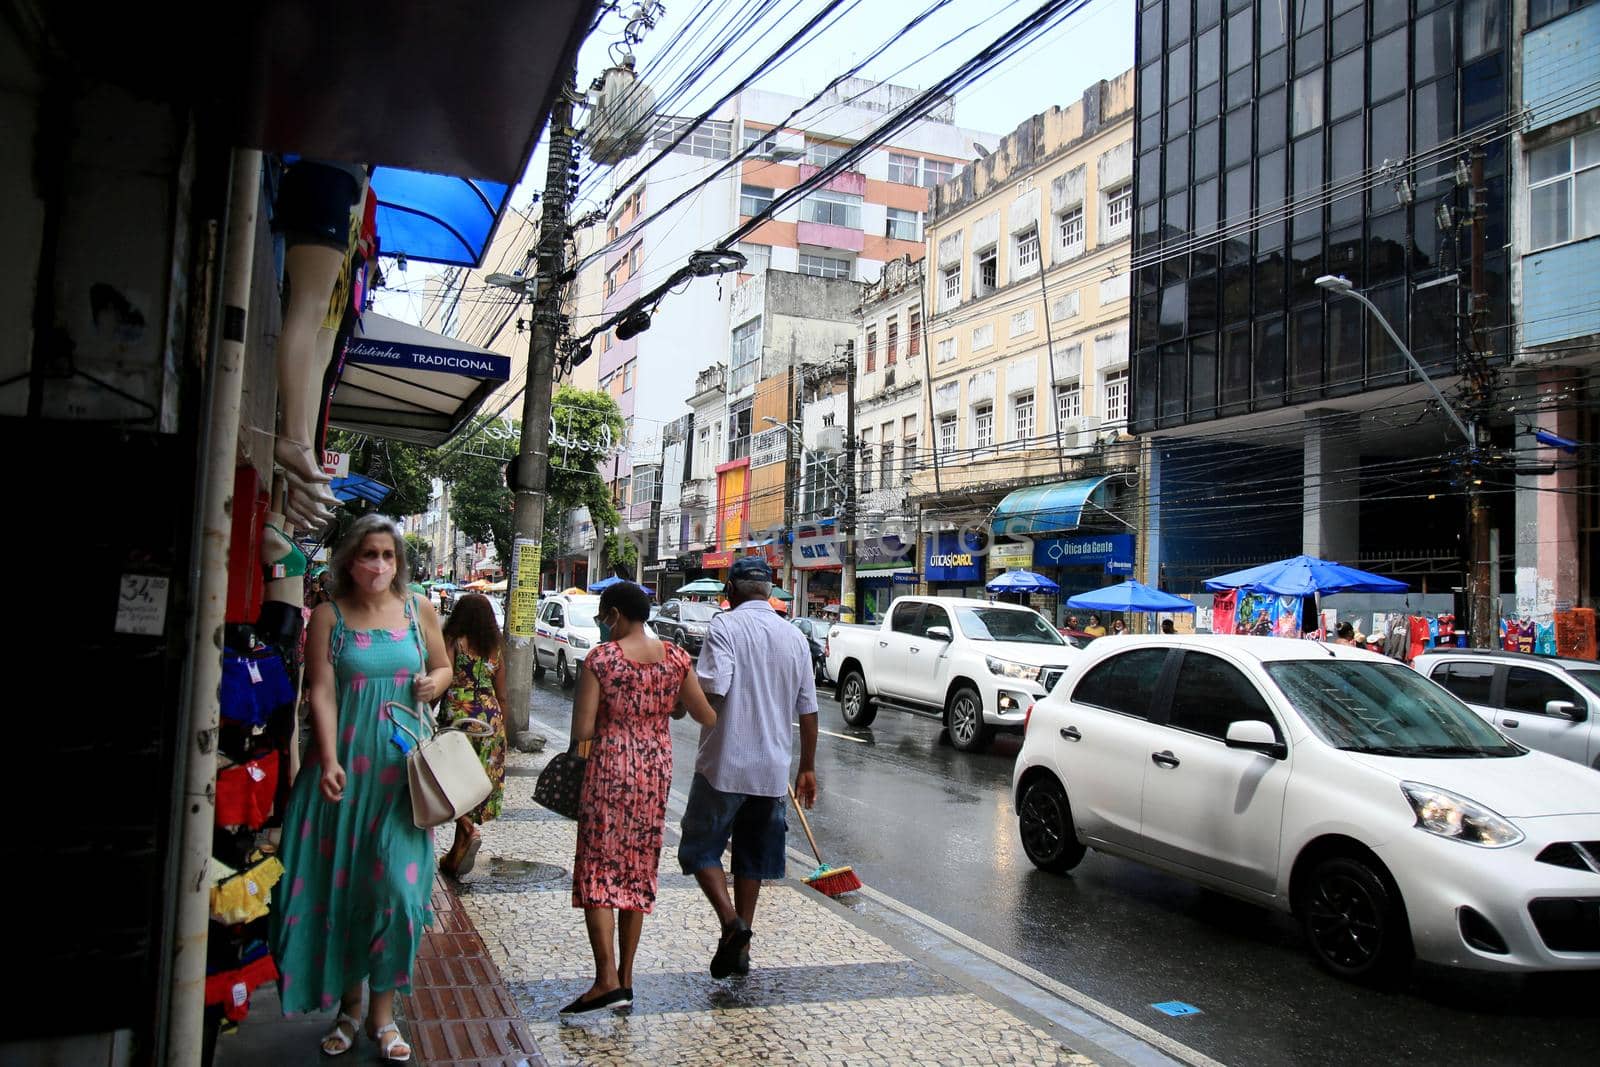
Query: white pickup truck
975,665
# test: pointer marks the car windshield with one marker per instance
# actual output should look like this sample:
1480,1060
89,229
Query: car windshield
1007,624
1386,710
1590,680
583,615
693,612
821,628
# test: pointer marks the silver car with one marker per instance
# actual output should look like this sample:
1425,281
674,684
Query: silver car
1548,704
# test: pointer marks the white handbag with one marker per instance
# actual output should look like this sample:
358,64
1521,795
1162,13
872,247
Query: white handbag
446,777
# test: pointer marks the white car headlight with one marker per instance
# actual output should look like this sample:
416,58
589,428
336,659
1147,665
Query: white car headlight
1448,814
1006,668
579,642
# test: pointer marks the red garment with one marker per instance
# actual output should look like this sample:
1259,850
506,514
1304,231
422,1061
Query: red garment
622,809
1418,627
232,989
1510,635
1224,607
245,792
1447,629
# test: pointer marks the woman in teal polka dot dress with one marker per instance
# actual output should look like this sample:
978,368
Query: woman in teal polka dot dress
353,902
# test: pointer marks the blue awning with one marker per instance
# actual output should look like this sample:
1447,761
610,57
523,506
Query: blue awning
1046,508
434,218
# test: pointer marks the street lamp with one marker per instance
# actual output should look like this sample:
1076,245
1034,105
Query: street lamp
519,282
1339,285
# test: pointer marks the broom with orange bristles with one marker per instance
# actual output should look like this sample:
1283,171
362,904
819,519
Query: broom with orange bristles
833,881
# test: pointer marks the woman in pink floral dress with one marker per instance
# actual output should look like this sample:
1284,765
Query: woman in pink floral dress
629,687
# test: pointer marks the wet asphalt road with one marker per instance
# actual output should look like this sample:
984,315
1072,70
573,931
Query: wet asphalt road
934,828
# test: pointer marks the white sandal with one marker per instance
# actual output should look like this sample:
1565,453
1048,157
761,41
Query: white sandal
340,1043
386,1045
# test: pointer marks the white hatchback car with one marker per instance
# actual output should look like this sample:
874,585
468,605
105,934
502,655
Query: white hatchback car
566,628
1325,781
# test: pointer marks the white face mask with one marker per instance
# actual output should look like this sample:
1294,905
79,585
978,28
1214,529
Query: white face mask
374,575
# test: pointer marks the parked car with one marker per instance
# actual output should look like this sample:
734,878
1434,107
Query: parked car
1549,704
565,630
1325,781
685,623
816,632
975,665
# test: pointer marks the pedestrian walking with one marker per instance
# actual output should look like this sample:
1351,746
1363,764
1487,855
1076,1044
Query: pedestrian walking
359,873
756,670
477,692
630,686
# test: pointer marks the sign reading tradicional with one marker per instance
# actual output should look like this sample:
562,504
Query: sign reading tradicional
405,355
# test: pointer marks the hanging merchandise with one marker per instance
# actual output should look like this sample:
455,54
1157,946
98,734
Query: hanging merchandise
1525,632
1509,631
1447,629
1397,638
254,685
1286,611
1256,612
1544,640
1224,609
1433,632
232,989
246,792
1417,631
241,896
1575,634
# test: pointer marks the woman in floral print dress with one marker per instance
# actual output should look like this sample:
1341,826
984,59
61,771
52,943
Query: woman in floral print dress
628,688
477,692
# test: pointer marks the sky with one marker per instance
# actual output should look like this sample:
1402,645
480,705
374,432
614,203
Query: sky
1092,43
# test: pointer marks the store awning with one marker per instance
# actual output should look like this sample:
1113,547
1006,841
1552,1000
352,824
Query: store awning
1047,508
436,218
403,382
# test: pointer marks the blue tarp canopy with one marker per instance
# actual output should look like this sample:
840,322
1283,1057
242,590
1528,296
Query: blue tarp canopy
1022,582
606,583
1129,596
360,487
1303,576
1046,508
435,218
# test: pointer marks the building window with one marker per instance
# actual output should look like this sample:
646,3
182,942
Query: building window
757,258
765,142
950,290
712,140
821,153
1022,323
1028,249
914,335
627,374
633,260
904,169
745,361
891,342
1022,417
1067,307
872,351
1116,397
1114,289
1119,212
908,458
1069,230
824,266
1542,11
987,272
886,468
866,461
947,433
983,426
621,491
936,172
1564,191
982,336
754,199
1069,403
611,281
829,208
947,349
902,225
644,486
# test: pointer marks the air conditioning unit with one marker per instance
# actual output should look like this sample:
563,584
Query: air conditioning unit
1079,432
830,439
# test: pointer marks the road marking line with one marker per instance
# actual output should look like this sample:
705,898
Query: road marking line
1126,1023
846,737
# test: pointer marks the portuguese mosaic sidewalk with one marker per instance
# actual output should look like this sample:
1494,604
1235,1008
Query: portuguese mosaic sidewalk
825,986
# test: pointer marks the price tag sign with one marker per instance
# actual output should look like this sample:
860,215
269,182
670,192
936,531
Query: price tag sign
142,605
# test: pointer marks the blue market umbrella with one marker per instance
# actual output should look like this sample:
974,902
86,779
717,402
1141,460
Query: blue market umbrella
1022,582
445,585
1129,596
703,587
606,583
1303,576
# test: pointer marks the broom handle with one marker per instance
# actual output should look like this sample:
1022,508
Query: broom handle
805,824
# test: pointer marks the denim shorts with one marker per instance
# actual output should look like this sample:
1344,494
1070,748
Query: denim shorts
757,825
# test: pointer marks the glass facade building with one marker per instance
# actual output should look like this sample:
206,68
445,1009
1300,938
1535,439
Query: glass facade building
1280,140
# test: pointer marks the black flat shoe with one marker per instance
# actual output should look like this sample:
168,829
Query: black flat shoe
735,937
617,998
741,966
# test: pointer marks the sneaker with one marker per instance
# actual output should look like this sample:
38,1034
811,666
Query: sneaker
735,939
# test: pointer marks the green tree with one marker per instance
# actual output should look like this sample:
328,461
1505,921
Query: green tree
419,553
394,463
474,468
583,417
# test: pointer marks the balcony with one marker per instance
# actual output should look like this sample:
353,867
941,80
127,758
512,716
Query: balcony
822,235
738,448
851,181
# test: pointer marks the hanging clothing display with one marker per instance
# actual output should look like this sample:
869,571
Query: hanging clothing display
1544,639
1224,608
240,896
1417,629
1447,629
1397,638
1286,612
1525,632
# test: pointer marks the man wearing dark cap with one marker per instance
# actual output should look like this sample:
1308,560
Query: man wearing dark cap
756,670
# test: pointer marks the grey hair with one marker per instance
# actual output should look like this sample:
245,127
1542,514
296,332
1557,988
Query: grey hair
752,589
345,554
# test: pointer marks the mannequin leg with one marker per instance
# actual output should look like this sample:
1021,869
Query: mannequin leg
303,355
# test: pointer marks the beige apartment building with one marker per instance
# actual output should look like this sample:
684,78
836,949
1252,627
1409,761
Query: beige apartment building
1028,297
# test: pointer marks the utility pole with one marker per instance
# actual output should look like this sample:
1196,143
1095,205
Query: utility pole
1481,577
791,482
530,469
847,573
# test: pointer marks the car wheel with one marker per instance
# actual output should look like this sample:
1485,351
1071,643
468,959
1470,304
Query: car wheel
963,717
1044,818
538,671
1355,921
563,672
854,704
